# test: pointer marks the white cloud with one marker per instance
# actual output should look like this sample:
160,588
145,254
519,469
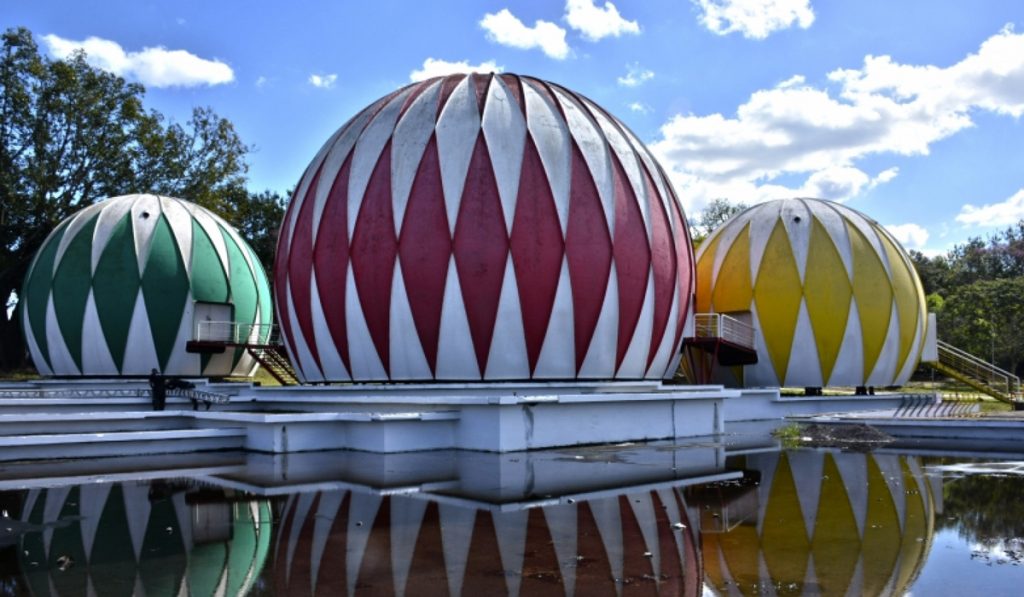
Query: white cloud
155,67
635,75
506,29
754,19
821,131
911,236
1004,213
596,23
261,81
323,81
433,67
640,107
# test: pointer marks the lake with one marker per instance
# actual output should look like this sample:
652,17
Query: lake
741,516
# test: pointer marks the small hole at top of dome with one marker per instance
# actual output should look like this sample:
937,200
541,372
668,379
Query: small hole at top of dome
145,214
796,219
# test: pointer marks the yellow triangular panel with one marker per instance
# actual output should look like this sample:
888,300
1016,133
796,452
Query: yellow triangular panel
711,549
906,299
828,293
873,292
836,542
784,542
740,548
881,533
917,529
777,293
732,285
705,269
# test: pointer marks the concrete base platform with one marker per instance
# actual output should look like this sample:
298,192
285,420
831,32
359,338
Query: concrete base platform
375,418
1001,431
70,418
759,404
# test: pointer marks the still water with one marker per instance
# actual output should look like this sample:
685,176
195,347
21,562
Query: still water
743,517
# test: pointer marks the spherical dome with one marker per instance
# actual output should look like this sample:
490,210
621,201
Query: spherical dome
119,288
834,299
822,523
618,544
483,227
117,539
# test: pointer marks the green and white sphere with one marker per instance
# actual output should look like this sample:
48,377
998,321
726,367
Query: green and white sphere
118,288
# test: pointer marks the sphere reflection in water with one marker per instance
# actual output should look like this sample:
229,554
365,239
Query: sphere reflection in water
112,540
820,523
353,542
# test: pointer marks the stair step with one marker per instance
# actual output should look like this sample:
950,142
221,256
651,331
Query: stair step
119,443
119,436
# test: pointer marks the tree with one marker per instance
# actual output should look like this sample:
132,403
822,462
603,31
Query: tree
71,134
712,216
985,318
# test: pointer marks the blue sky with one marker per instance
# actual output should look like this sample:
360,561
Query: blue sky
909,111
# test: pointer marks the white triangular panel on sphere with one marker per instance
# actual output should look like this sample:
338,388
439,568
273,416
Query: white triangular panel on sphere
634,362
412,133
599,362
367,153
455,356
551,137
507,358
457,129
504,130
95,353
558,353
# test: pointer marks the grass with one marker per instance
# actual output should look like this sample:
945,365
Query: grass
789,435
262,377
19,375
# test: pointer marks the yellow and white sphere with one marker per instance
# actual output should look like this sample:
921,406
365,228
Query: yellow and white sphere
833,298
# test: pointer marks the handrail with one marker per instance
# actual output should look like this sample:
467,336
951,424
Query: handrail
979,369
236,333
720,325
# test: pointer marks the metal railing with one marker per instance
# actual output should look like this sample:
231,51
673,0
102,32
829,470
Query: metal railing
720,325
235,333
979,370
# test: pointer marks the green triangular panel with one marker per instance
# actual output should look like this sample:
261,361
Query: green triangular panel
206,565
165,289
113,558
209,284
36,292
71,289
116,286
243,288
66,541
244,548
204,360
164,558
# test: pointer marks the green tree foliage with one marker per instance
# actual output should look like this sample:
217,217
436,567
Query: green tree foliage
71,134
976,291
712,216
984,509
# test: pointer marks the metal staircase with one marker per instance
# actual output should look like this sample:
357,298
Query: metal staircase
273,358
978,374
261,341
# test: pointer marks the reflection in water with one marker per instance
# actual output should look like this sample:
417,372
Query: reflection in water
653,519
825,523
127,539
987,510
359,542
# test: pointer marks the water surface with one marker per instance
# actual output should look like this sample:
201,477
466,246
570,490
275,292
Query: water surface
743,517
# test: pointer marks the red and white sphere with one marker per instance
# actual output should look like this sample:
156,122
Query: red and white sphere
491,227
